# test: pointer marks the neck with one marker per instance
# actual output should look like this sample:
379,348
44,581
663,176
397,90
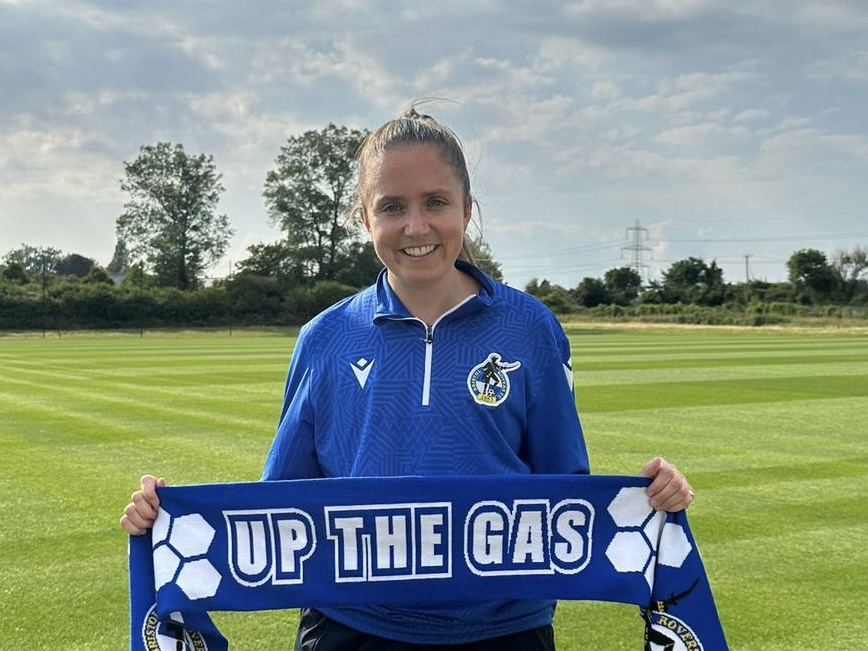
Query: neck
428,302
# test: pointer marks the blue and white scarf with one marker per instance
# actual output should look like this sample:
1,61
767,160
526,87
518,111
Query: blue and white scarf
331,542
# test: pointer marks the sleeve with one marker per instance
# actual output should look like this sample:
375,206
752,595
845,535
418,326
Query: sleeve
554,442
293,450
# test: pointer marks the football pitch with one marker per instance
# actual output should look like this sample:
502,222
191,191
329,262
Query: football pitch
771,427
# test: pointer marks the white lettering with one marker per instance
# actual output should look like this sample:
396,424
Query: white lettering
572,548
350,542
269,545
251,554
532,537
488,530
383,542
430,540
528,538
292,539
391,541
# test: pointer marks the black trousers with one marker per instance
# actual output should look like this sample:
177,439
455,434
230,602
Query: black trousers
316,632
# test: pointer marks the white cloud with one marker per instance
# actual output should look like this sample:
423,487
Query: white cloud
701,119
851,67
708,136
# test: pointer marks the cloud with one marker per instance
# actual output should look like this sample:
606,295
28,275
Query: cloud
698,118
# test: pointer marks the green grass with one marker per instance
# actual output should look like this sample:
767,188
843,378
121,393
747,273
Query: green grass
770,426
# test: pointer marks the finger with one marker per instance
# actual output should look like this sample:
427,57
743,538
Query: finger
669,489
675,496
134,522
652,467
677,502
149,489
665,474
129,527
144,506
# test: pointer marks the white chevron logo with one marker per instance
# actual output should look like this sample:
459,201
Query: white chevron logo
362,369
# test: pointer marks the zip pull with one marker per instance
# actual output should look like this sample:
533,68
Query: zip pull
426,379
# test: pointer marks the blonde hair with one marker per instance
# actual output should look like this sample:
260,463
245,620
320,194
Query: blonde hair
412,128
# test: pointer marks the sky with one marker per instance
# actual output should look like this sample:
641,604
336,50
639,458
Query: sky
600,133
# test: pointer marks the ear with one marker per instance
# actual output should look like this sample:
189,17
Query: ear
468,213
363,217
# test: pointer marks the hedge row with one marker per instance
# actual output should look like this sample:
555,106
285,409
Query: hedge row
80,306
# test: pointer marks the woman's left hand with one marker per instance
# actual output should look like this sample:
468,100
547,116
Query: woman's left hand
669,490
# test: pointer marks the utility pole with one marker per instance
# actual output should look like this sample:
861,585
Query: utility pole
638,236
228,294
747,258
44,304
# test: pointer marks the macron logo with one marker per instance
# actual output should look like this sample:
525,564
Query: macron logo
362,369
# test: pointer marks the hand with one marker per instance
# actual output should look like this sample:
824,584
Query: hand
669,490
139,515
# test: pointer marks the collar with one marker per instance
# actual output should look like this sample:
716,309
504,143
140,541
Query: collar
390,307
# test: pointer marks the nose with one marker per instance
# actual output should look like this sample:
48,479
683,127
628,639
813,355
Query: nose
416,223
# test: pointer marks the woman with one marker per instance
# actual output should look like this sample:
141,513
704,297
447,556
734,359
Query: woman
434,370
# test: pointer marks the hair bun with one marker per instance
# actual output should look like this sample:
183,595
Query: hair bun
412,114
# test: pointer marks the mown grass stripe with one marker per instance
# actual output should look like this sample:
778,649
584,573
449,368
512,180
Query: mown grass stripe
590,363
664,373
720,392
769,425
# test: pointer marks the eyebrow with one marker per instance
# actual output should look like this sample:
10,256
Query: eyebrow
401,197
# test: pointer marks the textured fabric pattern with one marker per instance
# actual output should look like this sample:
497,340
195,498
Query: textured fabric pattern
354,395
372,391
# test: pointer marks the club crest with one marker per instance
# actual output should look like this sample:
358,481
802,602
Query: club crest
665,632
170,635
488,382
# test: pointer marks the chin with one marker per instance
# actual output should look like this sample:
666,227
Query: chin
420,276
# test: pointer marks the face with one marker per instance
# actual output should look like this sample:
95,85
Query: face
416,213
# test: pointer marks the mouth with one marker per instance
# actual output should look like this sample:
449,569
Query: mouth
419,251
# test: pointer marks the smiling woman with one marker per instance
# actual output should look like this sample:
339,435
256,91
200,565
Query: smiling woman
434,370
417,214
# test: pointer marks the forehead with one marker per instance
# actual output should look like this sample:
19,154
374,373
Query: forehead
408,168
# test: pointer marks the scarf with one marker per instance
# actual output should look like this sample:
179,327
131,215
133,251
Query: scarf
331,542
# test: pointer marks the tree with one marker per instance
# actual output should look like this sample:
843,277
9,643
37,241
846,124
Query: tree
275,260
362,266
812,277
481,252
592,292
98,276
849,268
170,221
36,261
74,265
693,281
538,288
559,300
120,260
15,273
623,285
309,195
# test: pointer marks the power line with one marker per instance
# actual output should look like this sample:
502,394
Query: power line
588,248
775,238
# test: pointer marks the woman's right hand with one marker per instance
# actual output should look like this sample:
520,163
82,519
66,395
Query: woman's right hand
139,515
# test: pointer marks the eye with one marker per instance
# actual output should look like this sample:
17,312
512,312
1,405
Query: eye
437,202
390,207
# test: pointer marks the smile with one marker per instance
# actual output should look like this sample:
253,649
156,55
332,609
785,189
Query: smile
419,251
